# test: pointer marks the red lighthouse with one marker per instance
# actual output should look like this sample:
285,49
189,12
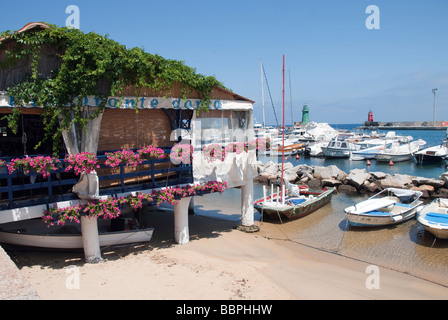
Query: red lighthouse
370,119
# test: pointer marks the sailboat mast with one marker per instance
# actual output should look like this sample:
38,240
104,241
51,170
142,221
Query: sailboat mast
290,97
262,91
283,139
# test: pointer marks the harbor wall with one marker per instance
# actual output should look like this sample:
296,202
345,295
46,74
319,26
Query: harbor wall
405,125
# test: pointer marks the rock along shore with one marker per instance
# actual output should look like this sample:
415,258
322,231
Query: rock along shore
357,180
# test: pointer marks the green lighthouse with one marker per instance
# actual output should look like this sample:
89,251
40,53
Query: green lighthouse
305,115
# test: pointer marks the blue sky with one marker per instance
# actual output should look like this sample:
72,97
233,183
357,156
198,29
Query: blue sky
336,65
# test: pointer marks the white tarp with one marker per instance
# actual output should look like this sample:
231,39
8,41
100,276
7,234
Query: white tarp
77,140
221,129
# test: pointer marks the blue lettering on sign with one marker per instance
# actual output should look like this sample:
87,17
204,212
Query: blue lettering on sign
143,101
217,105
188,105
115,105
98,101
130,103
154,103
176,104
11,100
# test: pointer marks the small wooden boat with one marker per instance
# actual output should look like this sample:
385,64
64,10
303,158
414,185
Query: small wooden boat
388,207
434,218
288,150
294,204
35,234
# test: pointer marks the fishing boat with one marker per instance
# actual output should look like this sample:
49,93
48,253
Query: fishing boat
388,207
34,233
292,204
434,218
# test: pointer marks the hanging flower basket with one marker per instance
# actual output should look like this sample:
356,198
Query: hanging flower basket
151,152
41,165
127,157
82,162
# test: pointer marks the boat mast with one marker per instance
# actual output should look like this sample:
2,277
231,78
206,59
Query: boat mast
262,91
290,97
283,139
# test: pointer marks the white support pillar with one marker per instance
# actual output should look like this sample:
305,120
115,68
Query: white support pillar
191,207
247,208
247,204
181,230
90,239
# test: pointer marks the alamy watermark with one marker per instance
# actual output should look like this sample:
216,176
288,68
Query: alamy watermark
74,18
373,20
73,281
373,280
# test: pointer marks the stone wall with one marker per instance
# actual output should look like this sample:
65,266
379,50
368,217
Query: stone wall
357,180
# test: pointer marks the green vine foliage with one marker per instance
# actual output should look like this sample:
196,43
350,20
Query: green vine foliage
90,64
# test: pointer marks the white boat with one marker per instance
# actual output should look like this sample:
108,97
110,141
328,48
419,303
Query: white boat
388,207
432,154
34,233
434,218
366,154
400,151
339,147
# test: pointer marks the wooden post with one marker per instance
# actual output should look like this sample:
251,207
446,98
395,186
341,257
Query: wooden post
181,230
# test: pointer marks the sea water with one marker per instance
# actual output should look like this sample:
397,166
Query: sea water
406,247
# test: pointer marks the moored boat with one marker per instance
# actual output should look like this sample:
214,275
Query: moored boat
432,154
434,218
388,207
400,151
34,233
338,147
293,205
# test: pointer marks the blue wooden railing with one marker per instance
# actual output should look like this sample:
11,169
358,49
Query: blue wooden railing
20,190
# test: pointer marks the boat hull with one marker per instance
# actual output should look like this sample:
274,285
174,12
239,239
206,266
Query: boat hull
370,220
61,237
394,157
426,158
434,218
336,153
298,211
388,207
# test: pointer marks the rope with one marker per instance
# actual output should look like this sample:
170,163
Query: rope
269,90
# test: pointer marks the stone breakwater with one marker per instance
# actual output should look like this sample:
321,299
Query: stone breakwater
357,180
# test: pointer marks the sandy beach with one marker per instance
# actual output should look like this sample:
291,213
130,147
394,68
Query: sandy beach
219,263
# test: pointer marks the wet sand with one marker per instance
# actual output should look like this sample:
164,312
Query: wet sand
219,263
